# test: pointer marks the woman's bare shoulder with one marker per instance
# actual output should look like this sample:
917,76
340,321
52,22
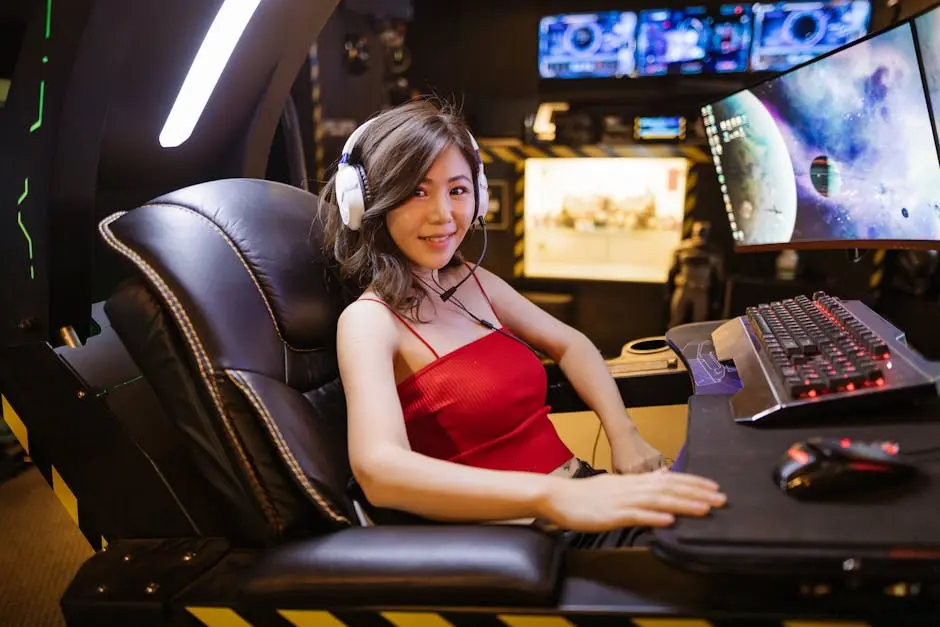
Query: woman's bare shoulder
367,317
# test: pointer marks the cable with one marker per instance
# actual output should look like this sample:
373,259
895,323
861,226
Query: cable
597,439
446,294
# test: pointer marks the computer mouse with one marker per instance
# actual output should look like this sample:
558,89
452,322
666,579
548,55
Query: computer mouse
834,467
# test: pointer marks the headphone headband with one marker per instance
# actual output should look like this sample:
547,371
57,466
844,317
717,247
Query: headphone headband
352,184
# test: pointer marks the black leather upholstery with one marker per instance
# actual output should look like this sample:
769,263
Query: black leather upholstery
442,565
241,347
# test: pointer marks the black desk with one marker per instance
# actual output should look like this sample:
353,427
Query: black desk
761,529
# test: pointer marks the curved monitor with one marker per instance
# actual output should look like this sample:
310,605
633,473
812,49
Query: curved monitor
838,153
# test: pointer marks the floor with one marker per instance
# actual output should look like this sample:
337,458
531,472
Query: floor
41,551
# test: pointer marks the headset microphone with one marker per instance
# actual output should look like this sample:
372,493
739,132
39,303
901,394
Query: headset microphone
446,294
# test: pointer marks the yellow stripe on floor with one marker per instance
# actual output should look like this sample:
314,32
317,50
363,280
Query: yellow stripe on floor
16,425
218,617
535,621
670,622
65,496
416,619
311,618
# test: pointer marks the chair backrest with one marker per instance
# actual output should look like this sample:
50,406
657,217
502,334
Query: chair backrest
232,320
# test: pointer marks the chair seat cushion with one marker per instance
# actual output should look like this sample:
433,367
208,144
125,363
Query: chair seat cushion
417,565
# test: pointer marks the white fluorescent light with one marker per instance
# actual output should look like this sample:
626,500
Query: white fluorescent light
204,73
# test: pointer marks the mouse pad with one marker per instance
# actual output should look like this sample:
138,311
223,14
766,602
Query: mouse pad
741,459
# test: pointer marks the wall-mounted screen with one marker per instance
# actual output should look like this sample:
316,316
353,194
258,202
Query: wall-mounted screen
834,153
730,42
693,40
616,219
659,128
789,33
587,45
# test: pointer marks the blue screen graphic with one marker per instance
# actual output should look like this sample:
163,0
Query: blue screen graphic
588,45
789,33
693,40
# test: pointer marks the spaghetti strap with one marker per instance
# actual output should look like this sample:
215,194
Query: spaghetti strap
483,291
407,326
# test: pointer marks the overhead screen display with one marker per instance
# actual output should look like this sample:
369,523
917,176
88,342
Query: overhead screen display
588,45
697,39
840,150
789,33
693,40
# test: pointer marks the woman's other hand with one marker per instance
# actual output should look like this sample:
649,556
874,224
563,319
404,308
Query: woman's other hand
631,454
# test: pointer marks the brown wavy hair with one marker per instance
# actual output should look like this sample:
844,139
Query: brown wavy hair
397,150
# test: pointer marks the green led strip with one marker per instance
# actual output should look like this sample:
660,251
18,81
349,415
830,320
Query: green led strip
42,99
19,220
32,129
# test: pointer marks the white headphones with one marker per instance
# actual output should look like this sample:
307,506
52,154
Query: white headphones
352,184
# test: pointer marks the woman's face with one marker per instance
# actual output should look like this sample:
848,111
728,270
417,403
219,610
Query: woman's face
430,225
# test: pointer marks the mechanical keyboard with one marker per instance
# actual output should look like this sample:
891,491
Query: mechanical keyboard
812,357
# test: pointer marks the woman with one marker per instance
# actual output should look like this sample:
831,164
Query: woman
445,398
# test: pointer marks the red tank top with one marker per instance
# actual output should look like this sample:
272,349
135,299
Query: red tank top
483,405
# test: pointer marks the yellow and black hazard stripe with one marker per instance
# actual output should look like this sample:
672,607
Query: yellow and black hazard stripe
319,167
691,195
227,617
518,221
49,472
495,152
876,279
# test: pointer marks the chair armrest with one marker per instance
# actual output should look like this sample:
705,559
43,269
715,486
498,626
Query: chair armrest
415,565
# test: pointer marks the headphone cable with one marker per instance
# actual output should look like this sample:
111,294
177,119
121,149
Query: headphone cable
448,293
481,321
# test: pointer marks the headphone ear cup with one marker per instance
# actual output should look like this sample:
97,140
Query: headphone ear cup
349,196
364,186
483,196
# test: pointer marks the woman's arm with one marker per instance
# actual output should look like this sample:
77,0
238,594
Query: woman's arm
574,353
394,476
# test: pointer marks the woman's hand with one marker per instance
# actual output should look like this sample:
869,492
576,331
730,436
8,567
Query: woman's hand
631,454
605,502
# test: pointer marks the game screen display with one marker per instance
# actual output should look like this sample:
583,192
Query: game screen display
789,33
928,27
659,128
614,219
589,45
839,149
693,40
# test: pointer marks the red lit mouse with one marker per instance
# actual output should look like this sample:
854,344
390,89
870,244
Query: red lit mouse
834,467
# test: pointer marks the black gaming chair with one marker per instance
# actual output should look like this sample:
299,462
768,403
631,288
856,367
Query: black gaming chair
232,322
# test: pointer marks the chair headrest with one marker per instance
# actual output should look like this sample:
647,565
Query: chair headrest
242,258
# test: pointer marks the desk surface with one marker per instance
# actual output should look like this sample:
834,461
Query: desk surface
741,459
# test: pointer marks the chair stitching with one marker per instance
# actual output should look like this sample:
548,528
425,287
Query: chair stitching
202,362
252,395
241,258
